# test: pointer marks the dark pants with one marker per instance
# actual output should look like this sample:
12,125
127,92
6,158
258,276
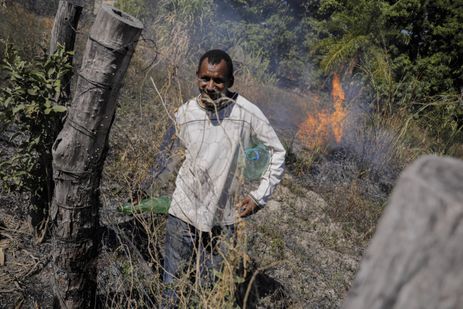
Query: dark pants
187,248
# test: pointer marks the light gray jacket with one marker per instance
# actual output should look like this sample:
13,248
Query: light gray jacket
210,182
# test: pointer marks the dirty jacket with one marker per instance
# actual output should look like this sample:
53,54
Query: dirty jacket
209,182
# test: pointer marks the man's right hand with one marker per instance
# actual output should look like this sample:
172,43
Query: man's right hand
247,207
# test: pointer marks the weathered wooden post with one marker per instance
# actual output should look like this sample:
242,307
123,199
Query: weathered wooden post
65,24
79,153
415,259
64,33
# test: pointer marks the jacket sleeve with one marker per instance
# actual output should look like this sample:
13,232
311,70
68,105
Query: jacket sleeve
264,132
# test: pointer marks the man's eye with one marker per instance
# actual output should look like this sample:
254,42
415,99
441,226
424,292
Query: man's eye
217,81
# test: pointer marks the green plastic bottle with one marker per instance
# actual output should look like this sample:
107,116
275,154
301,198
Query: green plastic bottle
158,205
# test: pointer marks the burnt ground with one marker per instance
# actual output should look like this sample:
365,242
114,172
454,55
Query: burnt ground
25,269
304,246
300,256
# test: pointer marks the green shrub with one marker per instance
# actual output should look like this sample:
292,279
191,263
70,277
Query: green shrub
30,117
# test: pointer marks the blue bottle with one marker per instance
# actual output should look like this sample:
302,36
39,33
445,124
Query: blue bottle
256,162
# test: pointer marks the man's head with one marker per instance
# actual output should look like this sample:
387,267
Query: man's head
215,74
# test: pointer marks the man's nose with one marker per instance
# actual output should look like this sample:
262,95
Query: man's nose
210,84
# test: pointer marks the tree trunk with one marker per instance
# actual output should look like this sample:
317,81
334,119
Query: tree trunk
79,153
65,25
415,259
64,33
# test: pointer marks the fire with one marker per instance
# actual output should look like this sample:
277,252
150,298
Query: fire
317,129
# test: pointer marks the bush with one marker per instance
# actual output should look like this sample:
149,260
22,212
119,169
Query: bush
30,117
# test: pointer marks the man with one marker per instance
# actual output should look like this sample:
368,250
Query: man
214,129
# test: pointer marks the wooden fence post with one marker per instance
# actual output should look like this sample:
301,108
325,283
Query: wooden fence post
65,24
64,33
79,153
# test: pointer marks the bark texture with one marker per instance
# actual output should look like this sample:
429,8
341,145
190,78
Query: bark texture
65,26
415,259
79,153
64,33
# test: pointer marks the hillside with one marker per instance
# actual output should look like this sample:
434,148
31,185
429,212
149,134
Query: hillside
300,257
352,108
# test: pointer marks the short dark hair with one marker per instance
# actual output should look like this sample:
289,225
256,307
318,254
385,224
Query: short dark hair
214,56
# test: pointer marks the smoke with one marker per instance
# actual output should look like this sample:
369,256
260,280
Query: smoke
286,96
372,146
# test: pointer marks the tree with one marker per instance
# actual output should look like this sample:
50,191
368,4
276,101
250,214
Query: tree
79,153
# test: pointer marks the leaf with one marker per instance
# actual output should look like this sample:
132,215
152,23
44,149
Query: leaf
35,141
217,274
57,85
32,91
59,108
6,103
38,75
15,135
342,51
18,108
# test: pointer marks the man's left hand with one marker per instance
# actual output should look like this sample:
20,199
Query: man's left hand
247,207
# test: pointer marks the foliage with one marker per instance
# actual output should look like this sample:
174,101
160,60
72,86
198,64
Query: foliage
429,39
132,7
442,118
421,40
39,7
406,52
354,31
30,114
406,39
270,29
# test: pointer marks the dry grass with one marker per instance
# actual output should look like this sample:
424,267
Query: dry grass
132,259
26,30
132,267
357,214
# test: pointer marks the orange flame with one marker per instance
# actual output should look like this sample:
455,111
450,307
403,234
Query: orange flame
317,129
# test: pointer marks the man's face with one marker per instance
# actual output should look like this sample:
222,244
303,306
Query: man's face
213,79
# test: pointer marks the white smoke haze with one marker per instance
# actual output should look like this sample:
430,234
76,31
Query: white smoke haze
372,146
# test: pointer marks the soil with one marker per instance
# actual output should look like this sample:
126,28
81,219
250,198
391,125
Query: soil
300,258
